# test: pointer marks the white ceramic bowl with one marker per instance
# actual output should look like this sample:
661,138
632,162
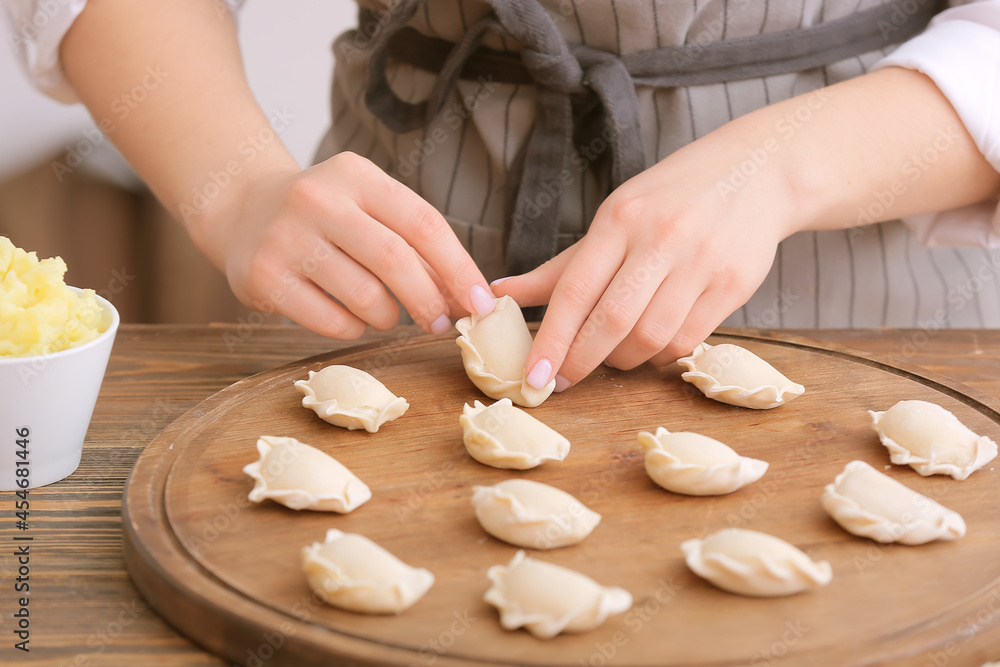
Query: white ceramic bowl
46,402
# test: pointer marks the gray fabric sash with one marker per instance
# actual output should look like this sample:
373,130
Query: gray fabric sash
586,91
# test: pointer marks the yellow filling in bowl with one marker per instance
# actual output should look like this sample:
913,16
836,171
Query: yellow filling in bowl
39,314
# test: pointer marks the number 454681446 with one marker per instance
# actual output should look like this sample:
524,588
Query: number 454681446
22,462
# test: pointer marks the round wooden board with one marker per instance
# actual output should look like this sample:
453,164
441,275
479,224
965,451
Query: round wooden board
227,572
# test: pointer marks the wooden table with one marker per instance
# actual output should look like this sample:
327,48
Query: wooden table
84,609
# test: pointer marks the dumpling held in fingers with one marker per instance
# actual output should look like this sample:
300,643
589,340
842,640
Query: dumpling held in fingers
503,436
495,349
350,398
303,478
735,375
697,465
547,599
931,440
870,504
351,572
748,562
533,515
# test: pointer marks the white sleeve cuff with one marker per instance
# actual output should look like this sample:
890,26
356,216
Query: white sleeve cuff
37,28
960,52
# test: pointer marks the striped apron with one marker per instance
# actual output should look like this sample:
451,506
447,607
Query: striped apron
468,160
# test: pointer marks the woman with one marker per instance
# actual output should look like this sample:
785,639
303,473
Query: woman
743,195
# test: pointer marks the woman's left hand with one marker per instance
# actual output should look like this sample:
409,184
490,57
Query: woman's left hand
669,255
675,250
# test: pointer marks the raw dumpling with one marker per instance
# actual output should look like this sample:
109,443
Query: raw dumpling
350,398
548,599
931,440
531,514
303,478
503,436
732,374
494,350
351,572
870,504
696,464
756,564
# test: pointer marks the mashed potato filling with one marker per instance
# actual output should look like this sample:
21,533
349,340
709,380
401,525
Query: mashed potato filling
39,314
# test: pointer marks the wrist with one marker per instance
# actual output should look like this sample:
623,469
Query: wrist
218,199
758,173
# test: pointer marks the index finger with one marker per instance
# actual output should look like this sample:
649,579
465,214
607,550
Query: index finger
422,226
576,295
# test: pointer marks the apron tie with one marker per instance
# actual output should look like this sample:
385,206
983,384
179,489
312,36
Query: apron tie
575,82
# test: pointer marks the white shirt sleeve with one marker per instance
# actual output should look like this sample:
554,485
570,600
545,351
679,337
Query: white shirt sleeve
36,29
960,52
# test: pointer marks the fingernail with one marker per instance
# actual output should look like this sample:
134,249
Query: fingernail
499,280
441,325
562,383
481,300
539,375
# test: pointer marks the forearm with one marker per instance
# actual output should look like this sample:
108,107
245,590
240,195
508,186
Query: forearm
166,81
874,148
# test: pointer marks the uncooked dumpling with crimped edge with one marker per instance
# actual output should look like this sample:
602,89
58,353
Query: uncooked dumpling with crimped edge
696,465
734,375
351,572
495,348
547,599
303,478
503,436
868,503
533,515
931,440
350,397
748,562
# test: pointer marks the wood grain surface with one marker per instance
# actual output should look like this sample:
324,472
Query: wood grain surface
228,572
85,610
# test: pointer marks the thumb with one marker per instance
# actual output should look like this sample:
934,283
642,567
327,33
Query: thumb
534,288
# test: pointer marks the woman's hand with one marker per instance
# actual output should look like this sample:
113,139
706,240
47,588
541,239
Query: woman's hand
346,229
675,250
669,255
286,238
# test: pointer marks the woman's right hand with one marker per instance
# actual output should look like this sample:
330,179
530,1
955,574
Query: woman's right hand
291,240
287,239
